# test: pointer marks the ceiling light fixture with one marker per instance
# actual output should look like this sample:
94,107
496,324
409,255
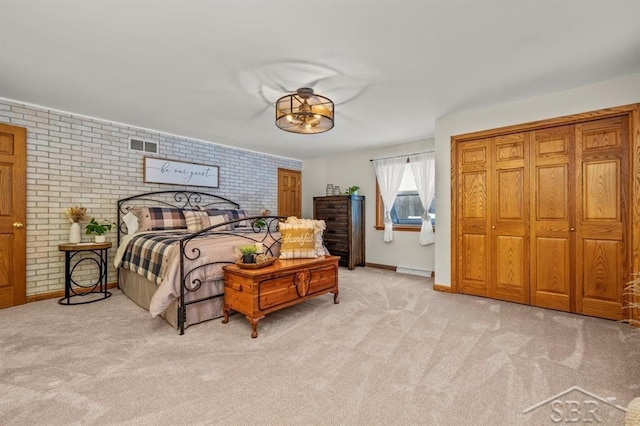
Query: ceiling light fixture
304,112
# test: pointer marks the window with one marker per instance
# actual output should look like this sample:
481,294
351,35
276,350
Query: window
406,213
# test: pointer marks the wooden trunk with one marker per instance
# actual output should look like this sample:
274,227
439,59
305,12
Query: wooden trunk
257,292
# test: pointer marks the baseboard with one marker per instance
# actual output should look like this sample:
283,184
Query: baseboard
443,288
380,266
60,293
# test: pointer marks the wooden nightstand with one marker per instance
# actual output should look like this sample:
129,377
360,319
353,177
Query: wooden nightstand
257,292
79,254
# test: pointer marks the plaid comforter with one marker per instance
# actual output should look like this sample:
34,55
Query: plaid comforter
147,254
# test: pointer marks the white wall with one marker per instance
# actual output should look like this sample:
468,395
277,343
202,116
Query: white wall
354,168
612,93
75,160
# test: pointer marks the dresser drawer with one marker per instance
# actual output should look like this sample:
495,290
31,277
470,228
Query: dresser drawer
335,204
331,215
337,245
336,232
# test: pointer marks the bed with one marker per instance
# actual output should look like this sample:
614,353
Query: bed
173,268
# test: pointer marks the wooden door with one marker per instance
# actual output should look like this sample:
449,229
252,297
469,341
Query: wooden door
509,234
474,216
289,193
13,215
553,218
602,191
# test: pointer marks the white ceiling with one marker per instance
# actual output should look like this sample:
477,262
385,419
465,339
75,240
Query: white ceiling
206,69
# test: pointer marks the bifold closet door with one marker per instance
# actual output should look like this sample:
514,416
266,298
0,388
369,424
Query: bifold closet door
474,215
553,218
545,216
493,216
509,230
602,192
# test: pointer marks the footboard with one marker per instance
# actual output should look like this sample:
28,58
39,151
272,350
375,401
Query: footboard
263,230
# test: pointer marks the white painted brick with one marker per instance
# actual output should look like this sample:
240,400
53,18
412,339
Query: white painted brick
79,161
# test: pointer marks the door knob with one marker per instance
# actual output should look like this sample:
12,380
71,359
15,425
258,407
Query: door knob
572,229
18,225
493,227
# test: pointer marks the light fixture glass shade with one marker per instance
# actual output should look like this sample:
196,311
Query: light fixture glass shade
304,112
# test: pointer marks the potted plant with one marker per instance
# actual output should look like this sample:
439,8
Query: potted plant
353,190
260,223
248,253
99,229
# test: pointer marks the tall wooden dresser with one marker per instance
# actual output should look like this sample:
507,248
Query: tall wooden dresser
344,236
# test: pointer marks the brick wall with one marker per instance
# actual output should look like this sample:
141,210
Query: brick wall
73,160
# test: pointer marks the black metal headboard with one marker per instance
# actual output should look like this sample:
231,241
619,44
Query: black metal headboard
179,199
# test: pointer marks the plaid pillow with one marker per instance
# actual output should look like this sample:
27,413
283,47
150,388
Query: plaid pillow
196,220
218,219
233,215
159,218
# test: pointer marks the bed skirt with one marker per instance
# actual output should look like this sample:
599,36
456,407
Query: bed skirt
140,290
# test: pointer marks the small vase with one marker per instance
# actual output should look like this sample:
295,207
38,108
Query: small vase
74,233
329,190
100,238
249,258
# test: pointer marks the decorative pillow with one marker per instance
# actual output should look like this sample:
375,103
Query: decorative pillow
131,221
217,220
233,215
318,230
159,218
196,220
297,241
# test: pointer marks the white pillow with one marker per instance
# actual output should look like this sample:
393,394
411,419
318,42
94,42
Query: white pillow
131,220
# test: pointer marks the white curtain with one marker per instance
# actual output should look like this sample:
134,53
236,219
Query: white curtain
389,175
424,173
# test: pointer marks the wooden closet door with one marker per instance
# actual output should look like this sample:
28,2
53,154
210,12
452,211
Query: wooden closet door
602,191
474,215
552,217
509,234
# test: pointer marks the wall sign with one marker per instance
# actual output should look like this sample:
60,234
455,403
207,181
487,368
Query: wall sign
157,170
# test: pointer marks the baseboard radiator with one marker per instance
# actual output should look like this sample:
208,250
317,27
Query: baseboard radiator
414,271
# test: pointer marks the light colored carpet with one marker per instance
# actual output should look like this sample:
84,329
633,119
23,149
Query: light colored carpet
392,352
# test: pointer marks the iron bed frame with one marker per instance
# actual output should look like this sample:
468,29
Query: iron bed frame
185,199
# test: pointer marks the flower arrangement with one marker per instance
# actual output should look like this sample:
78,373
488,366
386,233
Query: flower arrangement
76,214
